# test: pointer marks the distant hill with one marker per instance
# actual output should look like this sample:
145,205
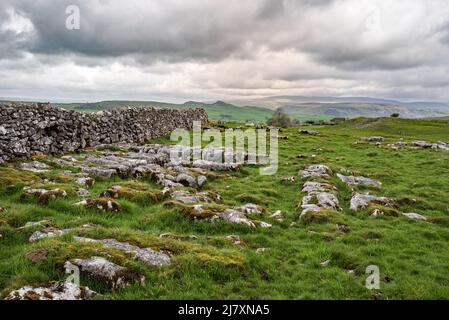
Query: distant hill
354,110
351,107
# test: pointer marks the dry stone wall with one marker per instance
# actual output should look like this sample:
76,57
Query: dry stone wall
27,129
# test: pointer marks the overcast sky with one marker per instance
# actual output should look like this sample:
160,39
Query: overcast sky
177,50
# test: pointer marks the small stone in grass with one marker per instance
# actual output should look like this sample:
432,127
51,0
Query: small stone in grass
415,216
342,228
325,264
377,213
109,273
60,290
235,239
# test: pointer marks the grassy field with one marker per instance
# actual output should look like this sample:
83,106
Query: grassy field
413,256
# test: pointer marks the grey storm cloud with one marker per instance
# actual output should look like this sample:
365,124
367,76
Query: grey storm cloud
200,48
167,30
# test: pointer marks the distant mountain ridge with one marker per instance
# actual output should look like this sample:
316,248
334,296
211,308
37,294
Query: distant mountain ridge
277,100
352,107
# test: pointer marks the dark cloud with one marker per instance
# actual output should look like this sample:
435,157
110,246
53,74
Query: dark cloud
238,47
162,31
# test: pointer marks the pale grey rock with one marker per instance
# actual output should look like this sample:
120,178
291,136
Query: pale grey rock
187,180
215,166
3,131
358,180
237,217
99,172
325,264
310,132
309,208
325,200
398,145
85,181
109,273
441,145
428,145
35,166
77,175
148,256
48,233
328,201
423,144
263,224
186,197
415,216
82,203
372,139
201,180
362,201
54,193
83,192
316,171
167,183
318,198
249,209
276,215
314,187
144,170
60,290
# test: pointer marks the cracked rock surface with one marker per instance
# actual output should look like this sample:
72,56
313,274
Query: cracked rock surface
147,255
316,171
362,201
109,273
60,290
363,181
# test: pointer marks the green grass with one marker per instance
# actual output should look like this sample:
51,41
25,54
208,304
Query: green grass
412,256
